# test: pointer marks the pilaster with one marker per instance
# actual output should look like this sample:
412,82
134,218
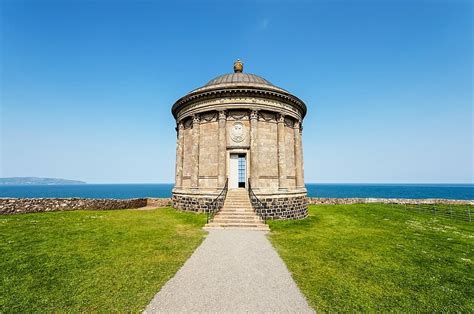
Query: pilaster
195,152
298,156
282,173
221,171
179,155
254,148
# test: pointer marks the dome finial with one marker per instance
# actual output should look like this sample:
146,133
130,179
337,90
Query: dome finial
238,66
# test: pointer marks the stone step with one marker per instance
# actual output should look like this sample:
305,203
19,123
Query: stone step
227,216
238,225
237,202
247,202
237,206
239,215
234,220
250,215
236,212
257,229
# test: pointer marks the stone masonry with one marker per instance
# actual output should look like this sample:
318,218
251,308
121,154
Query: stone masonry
240,114
348,201
34,205
285,207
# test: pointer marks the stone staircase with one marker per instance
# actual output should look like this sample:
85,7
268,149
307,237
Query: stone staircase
237,213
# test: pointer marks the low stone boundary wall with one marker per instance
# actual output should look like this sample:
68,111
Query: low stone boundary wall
347,201
277,208
35,205
159,202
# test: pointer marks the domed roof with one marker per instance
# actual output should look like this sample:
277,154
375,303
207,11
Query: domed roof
238,82
238,78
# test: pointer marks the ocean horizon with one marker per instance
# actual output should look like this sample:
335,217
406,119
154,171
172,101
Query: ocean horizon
461,191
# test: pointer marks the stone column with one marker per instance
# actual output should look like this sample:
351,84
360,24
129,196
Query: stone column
298,156
179,155
281,152
195,153
221,160
254,148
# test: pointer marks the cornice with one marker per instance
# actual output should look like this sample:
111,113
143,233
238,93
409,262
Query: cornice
238,102
235,92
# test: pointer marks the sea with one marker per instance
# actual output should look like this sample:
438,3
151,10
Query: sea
123,191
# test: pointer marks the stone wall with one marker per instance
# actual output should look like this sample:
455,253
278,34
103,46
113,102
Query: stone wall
347,201
208,150
35,205
274,144
159,202
201,204
287,207
267,151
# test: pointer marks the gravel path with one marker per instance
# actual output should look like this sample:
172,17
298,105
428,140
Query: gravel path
232,271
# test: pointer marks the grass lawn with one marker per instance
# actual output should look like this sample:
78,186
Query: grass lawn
370,257
92,261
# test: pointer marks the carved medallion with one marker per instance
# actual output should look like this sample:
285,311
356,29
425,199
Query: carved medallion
237,133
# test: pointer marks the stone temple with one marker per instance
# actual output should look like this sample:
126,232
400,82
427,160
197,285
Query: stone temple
240,131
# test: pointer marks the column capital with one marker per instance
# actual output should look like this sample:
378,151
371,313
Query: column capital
253,114
180,125
196,118
297,124
280,117
222,114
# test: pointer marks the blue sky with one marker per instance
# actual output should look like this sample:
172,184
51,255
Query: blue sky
87,86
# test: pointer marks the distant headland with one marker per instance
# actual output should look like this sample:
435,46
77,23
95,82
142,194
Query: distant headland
37,181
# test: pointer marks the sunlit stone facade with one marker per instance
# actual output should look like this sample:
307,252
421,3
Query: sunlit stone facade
242,128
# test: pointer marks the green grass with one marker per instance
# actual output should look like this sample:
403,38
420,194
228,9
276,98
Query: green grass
371,257
92,261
